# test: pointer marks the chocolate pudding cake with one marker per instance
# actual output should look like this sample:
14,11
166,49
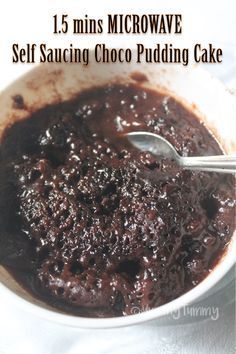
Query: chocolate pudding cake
96,228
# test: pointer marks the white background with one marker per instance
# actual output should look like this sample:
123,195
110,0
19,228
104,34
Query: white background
31,21
25,21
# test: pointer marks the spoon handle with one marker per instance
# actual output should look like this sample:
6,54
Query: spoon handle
220,163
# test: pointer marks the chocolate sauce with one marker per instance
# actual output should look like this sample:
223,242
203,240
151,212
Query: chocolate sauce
95,227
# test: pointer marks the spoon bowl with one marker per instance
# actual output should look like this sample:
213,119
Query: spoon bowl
159,146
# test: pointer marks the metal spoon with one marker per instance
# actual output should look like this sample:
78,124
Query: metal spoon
159,146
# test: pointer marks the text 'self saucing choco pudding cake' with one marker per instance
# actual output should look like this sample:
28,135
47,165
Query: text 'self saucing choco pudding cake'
96,228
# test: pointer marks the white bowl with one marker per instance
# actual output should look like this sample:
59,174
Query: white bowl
192,85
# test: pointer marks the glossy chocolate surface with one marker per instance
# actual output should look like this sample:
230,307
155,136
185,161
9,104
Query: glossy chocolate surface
97,228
